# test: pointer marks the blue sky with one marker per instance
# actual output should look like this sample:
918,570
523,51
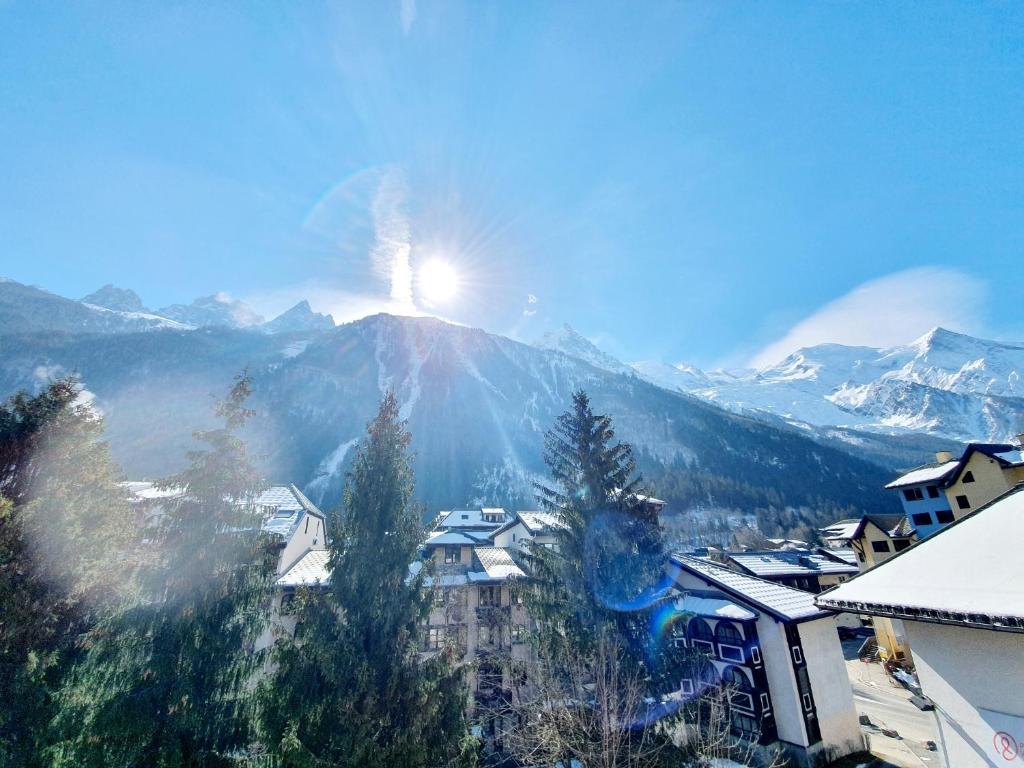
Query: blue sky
708,182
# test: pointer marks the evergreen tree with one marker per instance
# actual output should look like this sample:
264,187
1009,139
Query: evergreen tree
353,690
66,539
166,681
609,557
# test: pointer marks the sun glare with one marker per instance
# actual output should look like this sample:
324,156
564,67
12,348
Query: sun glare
438,281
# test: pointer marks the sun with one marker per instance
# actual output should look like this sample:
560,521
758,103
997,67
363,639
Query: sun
438,281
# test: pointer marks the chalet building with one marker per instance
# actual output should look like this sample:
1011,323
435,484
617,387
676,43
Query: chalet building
537,528
873,539
778,653
936,494
960,596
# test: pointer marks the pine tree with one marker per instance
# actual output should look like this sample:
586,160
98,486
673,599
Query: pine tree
352,690
610,550
66,544
167,680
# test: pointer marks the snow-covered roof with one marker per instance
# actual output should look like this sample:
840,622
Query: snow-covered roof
794,562
284,507
469,518
310,569
714,607
968,573
777,600
929,473
842,530
142,490
438,538
1014,456
846,554
539,522
497,564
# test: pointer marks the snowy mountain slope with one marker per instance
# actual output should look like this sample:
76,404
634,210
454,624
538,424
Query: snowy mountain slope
25,308
118,299
301,317
477,405
945,384
569,342
216,310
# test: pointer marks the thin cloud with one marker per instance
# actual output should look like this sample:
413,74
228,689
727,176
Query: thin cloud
887,311
531,299
392,240
407,15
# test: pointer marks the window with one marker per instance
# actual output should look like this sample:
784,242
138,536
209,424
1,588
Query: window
968,477
901,544
755,654
944,516
798,655
740,690
745,726
922,518
518,633
307,525
912,494
452,554
730,652
490,596
686,687
933,491
679,642
766,703
860,557
806,698
701,636
880,546
727,632
435,638
962,502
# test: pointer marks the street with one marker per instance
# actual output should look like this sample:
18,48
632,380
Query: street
888,706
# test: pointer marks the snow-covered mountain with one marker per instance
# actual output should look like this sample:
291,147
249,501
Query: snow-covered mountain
299,318
216,310
570,342
28,309
944,383
478,405
118,299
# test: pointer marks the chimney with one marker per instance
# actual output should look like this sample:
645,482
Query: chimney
943,456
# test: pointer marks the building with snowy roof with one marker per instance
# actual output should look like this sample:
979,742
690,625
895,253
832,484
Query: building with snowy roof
806,569
778,652
959,594
935,494
526,527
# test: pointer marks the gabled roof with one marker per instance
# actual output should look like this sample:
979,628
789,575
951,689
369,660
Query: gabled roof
926,473
841,530
968,573
893,526
784,603
948,472
309,570
468,519
496,564
792,562
846,554
285,506
439,538
714,608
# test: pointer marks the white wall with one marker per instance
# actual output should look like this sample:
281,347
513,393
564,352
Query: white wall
830,686
789,719
302,541
976,679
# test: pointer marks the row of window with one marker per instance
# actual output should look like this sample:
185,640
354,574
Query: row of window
916,494
942,517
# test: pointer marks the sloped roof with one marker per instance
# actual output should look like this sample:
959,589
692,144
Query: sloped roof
289,505
496,564
539,522
777,600
842,529
714,607
968,573
437,538
792,562
927,473
846,554
468,519
309,570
